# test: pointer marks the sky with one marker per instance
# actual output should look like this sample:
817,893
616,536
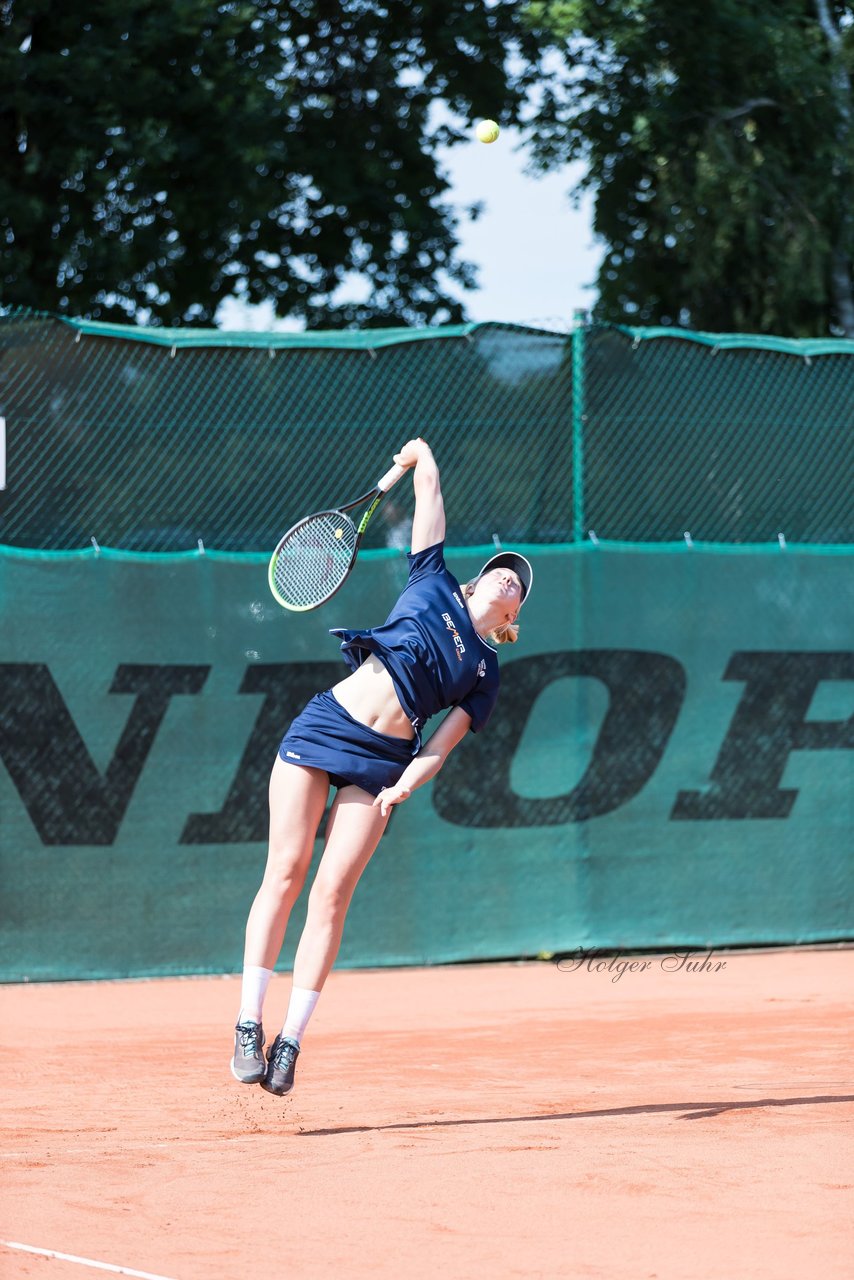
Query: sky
534,250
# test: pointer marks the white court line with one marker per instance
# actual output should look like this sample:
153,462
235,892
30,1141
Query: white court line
86,1262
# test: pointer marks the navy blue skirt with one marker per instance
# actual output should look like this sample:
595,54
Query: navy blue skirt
325,736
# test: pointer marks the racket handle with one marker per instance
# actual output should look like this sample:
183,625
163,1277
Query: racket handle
391,477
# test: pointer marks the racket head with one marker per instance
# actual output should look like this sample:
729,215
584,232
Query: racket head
313,560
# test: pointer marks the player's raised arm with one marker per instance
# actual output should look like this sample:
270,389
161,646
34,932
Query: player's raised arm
428,523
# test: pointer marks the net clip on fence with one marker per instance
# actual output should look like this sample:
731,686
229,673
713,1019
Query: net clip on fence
201,546
689,541
781,539
591,533
95,546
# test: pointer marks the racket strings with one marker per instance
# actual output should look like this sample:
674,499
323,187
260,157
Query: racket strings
314,559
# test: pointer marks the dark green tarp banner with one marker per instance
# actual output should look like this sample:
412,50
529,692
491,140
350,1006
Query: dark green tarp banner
670,762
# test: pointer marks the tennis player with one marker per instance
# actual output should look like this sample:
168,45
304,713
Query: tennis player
363,736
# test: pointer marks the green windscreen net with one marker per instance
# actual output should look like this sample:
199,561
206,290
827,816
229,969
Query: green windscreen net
150,440
149,448
671,760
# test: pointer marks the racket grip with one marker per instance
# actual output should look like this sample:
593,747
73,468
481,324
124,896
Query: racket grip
391,477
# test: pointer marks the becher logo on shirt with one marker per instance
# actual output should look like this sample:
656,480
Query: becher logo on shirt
481,668
458,640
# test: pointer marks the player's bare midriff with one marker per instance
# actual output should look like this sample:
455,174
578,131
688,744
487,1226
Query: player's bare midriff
369,695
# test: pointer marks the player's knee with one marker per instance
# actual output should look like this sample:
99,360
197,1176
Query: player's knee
285,875
329,898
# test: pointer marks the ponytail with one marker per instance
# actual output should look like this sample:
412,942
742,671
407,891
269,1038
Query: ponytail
507,633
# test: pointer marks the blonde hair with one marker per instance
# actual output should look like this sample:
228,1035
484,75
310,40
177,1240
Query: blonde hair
507,632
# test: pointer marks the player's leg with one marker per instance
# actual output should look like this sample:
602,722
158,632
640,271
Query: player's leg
297,799
354,830
353,833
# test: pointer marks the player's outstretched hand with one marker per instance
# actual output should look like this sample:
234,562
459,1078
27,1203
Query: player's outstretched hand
390,796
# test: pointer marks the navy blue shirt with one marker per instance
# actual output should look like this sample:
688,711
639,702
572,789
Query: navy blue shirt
430,648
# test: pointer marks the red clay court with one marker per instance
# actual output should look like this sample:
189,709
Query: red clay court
477,1121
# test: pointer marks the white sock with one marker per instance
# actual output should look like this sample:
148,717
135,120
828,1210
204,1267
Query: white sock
300,1009
255,983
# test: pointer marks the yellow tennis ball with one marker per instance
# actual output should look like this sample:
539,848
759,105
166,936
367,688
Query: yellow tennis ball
339,533
487,131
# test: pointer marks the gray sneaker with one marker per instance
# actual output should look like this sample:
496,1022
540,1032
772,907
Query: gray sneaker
248,1064
283,1054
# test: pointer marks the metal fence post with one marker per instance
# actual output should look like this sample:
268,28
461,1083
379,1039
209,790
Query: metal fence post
578,333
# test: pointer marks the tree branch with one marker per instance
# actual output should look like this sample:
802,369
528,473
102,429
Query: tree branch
841,271
746,107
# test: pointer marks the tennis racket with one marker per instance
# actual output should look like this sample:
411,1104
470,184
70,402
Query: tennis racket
314,558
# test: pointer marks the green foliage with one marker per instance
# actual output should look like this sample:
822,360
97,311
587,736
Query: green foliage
718,141
161,154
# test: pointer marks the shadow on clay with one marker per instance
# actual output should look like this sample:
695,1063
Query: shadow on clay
690,1110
